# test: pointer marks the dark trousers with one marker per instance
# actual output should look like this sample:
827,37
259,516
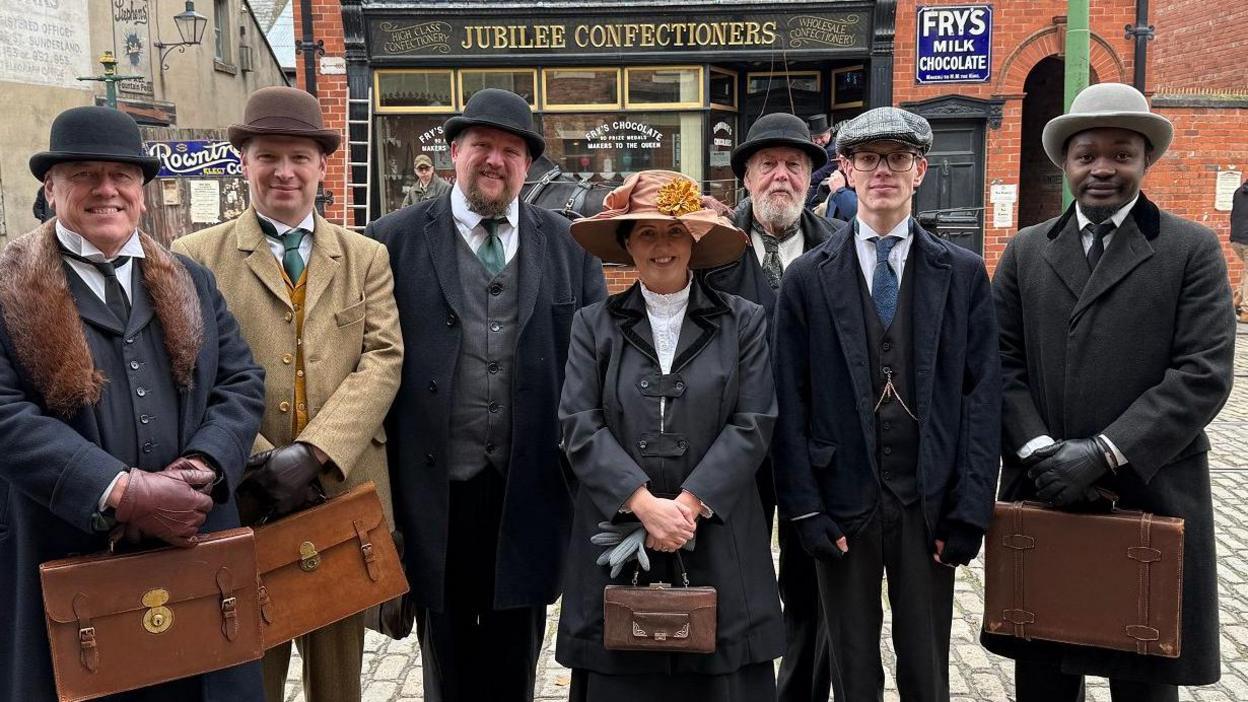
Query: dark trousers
894,541
470,651
806,669
1039,681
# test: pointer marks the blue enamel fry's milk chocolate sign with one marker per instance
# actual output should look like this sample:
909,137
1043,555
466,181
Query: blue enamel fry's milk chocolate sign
954,44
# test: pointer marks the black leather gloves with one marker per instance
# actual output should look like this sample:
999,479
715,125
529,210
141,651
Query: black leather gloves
285,475
162,506
961,542
1067,470
819,535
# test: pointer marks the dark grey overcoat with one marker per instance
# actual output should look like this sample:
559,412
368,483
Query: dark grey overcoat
715,434
1142,351
60,452
557,277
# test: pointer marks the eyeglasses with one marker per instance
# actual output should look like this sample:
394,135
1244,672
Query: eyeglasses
898,161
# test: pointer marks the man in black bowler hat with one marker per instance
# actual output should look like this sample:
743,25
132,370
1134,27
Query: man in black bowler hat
486,288
128,398
821,136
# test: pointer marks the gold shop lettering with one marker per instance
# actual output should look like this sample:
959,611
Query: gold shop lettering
619,36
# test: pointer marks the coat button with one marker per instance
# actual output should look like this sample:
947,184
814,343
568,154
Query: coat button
493,367
283,406
888,450
134,365
287,358
299,372
645,383
494,407
641,444
141,392
428,459
302,407
489,448
450,319
147,447
145,418
433,386
682,444
680,385
130,340
496,289
886,426
887,346
886,475
290,316
495,326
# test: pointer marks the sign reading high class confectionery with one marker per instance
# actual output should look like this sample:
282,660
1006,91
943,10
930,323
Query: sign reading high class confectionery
954,44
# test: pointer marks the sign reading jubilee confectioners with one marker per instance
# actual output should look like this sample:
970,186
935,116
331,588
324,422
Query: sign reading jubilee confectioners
954,44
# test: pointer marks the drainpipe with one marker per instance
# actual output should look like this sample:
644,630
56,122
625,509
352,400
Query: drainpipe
1141,33
1077,63
309,46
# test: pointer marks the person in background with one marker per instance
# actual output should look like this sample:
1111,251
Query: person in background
821,136
842,202
428,186
1239,244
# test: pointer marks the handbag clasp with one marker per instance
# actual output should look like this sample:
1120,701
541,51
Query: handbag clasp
309,559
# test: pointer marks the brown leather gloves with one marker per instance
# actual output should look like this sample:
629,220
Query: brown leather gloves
164,506
286,476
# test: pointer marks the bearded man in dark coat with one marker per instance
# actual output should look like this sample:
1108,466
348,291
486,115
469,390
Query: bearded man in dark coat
1117,346
128,399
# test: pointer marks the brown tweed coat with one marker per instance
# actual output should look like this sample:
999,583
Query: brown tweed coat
352,347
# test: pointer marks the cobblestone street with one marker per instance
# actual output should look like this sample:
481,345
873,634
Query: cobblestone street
392,668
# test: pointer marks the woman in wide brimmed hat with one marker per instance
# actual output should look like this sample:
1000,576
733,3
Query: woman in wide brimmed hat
667,412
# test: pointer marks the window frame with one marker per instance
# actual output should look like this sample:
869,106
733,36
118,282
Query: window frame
378,108
804,74
698,104
736,89
833,104
461,99
618,106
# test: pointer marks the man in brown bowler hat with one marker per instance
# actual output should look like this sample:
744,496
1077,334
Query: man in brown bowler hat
315,302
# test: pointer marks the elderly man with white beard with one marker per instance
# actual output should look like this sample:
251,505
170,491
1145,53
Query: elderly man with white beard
775,162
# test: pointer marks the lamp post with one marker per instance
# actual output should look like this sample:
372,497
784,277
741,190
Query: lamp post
190,26
110,79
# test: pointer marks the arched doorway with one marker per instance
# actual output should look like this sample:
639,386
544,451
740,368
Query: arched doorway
1039,181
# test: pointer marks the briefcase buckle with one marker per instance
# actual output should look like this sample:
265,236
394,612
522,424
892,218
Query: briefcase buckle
309,559
158,618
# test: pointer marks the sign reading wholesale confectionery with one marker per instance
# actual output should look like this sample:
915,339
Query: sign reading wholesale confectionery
195,158
845,31
955,44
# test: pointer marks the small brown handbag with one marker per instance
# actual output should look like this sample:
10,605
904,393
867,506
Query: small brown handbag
325,564
122,622
659,617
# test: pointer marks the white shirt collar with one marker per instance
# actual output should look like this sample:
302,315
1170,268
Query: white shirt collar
307,225
666,304
1116,217
901,231
76,243
469,219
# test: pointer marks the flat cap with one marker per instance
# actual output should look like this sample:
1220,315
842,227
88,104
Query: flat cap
884,124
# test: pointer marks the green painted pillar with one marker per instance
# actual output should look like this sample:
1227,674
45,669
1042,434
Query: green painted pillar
1077,63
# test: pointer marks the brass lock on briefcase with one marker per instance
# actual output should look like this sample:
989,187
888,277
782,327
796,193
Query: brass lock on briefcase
158,618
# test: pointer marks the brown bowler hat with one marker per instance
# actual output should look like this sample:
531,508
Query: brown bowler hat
283,111
660,197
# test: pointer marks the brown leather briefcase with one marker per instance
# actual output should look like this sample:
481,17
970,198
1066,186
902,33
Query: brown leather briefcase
659,617
122,622
325,564
1112,580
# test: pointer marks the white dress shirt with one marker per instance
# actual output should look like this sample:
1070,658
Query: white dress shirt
276,245
73,242
790,248
469,225
896,258
1085,238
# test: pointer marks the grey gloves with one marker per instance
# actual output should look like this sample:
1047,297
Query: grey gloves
625,542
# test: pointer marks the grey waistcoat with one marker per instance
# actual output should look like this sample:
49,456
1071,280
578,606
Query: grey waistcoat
481,406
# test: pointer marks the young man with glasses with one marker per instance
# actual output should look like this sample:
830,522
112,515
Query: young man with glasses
886,447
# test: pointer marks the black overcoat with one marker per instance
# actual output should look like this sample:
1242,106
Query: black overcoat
825,444
54,471
722,416
557,277
1142,351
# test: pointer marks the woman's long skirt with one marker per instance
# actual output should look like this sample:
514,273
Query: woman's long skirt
753,683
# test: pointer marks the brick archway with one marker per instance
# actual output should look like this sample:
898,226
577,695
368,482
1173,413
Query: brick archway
1104,60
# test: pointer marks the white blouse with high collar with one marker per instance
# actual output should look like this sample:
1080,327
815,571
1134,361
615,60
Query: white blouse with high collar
667,314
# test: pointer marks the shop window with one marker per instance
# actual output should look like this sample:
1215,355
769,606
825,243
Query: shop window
798,81
414,91
671,87
566,89
723,87
399,140
522,82
607,147
849,87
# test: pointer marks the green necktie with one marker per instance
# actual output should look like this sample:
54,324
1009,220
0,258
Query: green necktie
292,260
491,251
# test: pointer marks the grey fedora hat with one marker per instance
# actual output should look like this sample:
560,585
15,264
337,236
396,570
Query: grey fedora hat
777,129
498,109
1107,106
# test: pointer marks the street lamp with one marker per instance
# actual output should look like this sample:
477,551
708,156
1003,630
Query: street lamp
110,79
190,26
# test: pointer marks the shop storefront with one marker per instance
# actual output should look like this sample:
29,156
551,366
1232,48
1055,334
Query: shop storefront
615,90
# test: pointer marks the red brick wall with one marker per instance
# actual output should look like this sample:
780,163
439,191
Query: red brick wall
619,277
331,90
1023,35
1199,38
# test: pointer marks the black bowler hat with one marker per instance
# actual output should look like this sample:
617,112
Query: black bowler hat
498,109
777,129
818,125
94,134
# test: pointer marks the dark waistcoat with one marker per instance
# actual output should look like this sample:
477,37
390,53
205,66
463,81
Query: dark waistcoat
482,406
896,432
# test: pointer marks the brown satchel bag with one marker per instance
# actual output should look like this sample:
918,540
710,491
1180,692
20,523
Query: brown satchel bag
1111,580
659,617
122,622
325,564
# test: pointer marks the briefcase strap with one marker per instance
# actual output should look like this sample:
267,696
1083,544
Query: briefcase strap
229,604
1145,555
88,651
366,550
1019,542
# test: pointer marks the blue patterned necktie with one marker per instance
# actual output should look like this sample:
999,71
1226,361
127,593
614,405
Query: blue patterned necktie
884,280
491,250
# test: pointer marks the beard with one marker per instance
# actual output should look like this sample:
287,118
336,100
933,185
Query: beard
1098,213
777,214
485,205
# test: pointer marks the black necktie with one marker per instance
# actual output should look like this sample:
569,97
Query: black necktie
1097,249
114,296
772,265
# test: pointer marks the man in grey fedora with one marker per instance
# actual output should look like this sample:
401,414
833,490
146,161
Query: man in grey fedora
1117,344
486,288
128,398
